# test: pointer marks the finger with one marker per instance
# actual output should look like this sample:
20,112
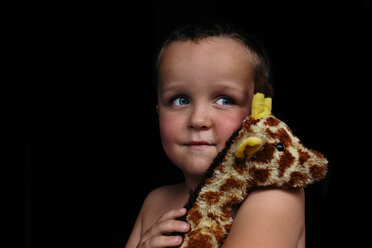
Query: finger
173,214
170,226
163,241
165,227
162,226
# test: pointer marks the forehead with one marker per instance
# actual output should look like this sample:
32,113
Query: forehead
218,57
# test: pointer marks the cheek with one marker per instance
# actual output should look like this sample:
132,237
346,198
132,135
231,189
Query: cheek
227,126
170,128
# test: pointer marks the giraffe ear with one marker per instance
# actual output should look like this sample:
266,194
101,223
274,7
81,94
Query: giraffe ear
248,146
261,106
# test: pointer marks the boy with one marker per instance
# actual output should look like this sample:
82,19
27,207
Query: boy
207,76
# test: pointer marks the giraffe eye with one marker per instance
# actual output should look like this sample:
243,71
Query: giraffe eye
280,147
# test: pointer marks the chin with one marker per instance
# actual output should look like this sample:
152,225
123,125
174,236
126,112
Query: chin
195,164
198,167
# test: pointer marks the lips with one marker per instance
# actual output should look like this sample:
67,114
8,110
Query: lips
199,144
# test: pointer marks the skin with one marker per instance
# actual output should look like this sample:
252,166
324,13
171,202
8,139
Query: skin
204,93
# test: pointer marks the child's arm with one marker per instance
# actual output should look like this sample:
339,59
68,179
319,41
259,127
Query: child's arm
271,218
135,236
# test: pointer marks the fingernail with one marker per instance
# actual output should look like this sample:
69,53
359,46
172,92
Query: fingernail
183,210
185,226
177,239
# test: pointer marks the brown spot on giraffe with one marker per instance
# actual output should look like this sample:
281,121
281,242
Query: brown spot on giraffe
231,183
247,126
317,171
239,166
270,133
284,137
272,122
233,200
281,134
296,178
286,160
200,240
250,122
261,175
194,215
211,197
266,154
302,156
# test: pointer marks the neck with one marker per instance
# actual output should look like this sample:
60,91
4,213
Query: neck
191,182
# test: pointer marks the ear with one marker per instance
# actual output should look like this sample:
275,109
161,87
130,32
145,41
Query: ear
248,146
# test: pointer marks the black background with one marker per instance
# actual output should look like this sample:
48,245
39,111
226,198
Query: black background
86,141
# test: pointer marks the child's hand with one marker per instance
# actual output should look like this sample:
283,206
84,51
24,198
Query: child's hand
155,236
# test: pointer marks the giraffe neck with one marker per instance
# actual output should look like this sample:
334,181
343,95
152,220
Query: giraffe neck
210,206
225,188
211,214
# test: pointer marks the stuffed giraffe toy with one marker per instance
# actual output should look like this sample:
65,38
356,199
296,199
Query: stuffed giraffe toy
264,153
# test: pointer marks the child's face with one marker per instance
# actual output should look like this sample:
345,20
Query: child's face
204,93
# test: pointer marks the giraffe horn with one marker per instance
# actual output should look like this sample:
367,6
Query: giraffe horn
261,106
248,146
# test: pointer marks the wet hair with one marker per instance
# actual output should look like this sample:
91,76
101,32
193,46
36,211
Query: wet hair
256,51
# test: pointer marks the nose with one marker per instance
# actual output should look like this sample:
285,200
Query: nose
200,118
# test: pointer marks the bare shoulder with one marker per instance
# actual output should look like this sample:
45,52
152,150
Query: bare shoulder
163,196
276,214
164,192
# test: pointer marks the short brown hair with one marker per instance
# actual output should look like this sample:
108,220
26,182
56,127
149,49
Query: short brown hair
197,32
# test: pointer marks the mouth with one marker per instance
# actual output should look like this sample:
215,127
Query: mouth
199,144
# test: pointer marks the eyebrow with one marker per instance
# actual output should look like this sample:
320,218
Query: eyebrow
219,86
171,87
227,86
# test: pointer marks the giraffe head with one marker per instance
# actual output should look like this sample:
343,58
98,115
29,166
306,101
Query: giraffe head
270,154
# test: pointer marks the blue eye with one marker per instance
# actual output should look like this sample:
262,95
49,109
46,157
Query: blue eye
225,101
181,100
